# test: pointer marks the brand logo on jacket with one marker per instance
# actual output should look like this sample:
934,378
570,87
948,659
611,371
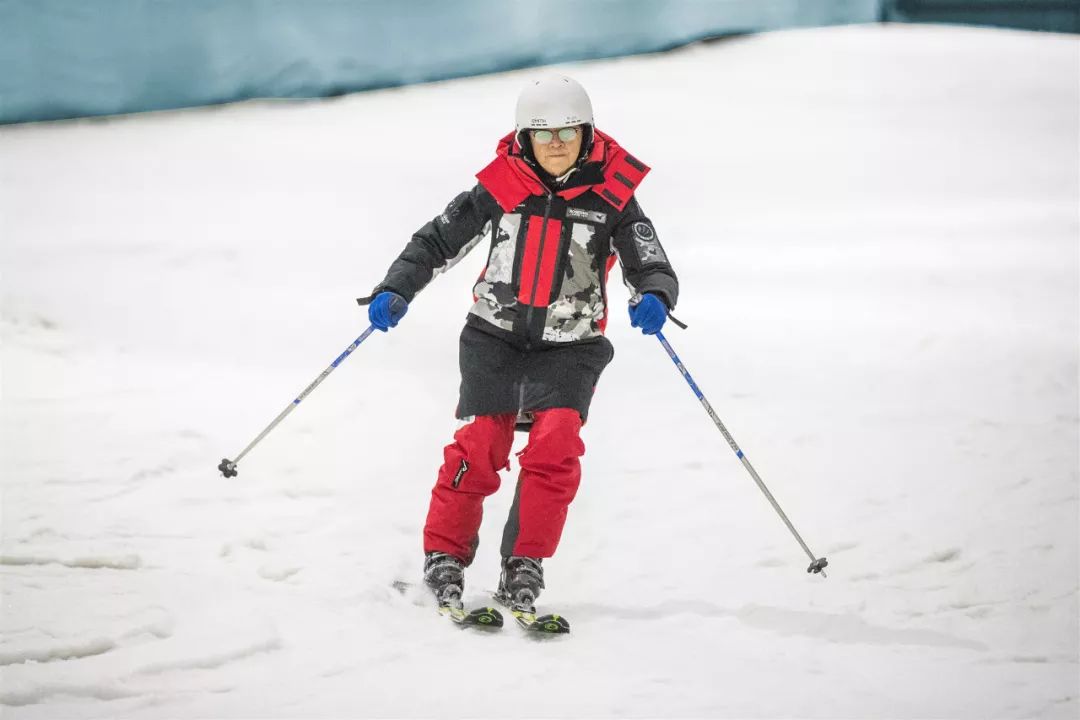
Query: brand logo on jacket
644,232
452,209
587,215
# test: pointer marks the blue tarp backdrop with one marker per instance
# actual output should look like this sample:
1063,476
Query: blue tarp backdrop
73,58
1054,15
69,58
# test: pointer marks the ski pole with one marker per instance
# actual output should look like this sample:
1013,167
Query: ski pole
817,565
228,467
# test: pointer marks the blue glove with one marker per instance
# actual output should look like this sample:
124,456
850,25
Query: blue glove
649,314
386,310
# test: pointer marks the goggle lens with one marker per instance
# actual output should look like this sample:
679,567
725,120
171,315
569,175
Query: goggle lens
566,134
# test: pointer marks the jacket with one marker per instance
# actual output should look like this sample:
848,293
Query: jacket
550,247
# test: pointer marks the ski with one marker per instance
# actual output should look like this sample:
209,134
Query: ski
549,624
527,619
480,618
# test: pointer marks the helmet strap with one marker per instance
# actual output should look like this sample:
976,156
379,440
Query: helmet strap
587,136
525,144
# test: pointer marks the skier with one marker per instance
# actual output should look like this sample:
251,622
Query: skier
557,204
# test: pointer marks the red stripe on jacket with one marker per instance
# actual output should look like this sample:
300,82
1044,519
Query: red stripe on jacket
538,294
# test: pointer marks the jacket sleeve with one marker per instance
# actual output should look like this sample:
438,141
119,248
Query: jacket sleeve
440,244
645,265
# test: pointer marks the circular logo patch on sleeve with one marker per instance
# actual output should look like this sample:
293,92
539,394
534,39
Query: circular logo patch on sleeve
644,231
648,246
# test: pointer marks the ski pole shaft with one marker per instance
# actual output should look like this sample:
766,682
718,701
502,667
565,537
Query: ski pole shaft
228,467
817,565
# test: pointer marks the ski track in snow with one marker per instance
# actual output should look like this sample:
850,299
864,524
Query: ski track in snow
878,256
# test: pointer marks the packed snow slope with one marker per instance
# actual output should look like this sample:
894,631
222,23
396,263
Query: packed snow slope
876,233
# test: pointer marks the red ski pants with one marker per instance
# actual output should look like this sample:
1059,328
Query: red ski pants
549,479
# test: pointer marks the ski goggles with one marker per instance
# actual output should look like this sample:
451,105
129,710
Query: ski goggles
566,134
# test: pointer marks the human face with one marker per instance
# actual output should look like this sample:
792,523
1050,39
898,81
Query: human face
557,156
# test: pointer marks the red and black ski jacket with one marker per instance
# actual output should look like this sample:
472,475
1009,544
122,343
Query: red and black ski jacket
551,248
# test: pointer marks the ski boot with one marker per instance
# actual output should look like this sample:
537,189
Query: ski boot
444,574
520,583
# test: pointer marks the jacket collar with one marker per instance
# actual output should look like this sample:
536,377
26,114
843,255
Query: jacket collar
510,179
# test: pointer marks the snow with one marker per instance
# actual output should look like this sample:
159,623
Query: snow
876,233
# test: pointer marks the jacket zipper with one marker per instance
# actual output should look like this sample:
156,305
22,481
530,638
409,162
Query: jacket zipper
536,275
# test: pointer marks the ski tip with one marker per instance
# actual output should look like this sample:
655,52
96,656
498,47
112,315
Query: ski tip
548,625
483,618
488,617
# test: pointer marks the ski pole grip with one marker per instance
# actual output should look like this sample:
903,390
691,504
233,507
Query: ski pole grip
398,304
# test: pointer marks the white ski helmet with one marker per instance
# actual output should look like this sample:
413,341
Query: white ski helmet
553,101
